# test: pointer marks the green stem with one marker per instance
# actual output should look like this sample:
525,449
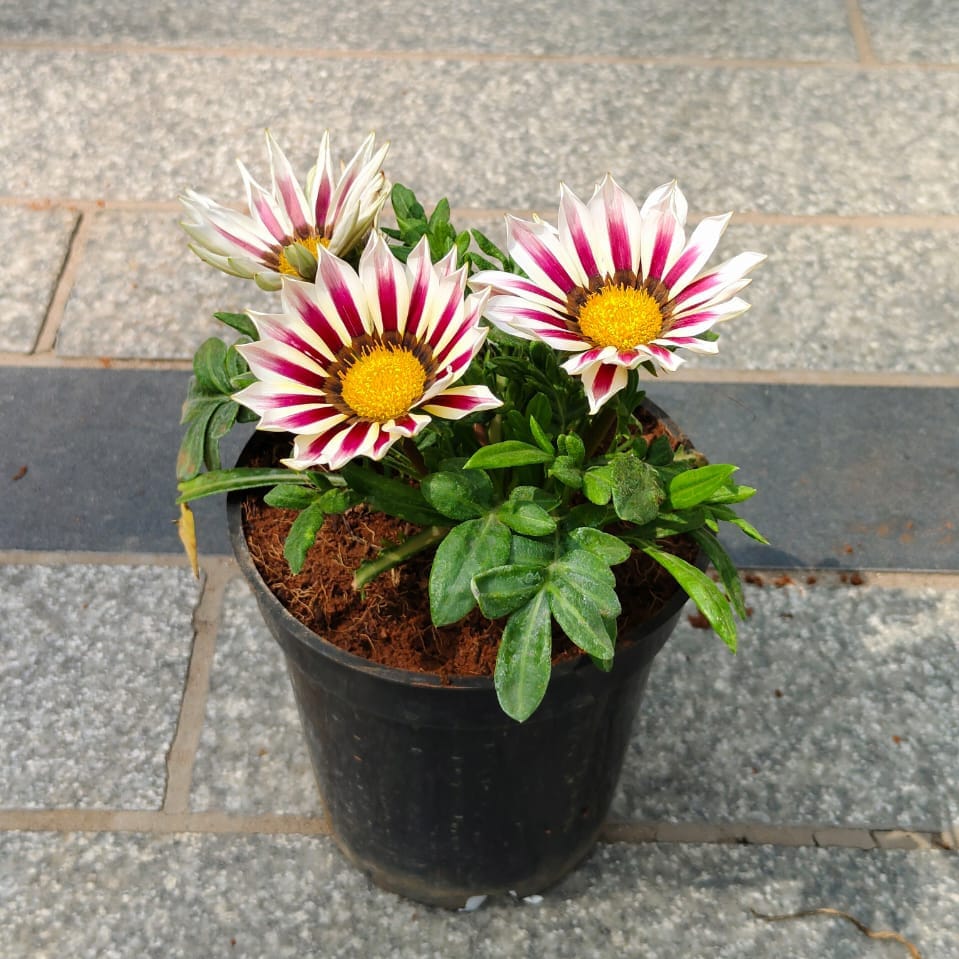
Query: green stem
595,437
398,554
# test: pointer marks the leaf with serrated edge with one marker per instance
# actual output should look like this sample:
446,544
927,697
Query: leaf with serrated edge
523,662
467,550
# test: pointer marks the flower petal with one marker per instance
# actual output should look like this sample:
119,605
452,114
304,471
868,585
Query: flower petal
286,187
698,250
617,219
460,401
536,248
385,285
663,236
602,381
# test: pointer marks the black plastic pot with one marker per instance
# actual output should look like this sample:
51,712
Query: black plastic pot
430,788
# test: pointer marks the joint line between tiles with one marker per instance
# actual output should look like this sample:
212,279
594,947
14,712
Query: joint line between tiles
860,34
47,336
186,741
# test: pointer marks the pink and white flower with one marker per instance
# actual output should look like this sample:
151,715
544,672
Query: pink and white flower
333,212
360,359
616,285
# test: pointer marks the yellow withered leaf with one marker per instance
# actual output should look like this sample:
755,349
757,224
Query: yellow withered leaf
186,527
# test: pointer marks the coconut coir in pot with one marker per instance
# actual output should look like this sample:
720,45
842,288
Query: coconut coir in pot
389,622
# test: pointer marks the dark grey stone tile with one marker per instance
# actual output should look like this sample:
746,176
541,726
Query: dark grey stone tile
839,709
802,141
849,477
177,897
816,30
92,666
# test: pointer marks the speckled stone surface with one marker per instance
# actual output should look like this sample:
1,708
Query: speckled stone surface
810,140
35,245
914,31
140,292
840,708
252,756
177,897
832,298
817,30
92,667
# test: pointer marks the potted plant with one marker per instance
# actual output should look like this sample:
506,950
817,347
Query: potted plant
475,533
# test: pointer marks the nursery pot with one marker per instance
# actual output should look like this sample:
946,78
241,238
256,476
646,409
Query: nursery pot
430,789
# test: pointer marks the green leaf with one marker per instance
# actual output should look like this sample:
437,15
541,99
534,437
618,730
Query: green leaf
566,470
540,437
338,500
302,536
239,322
489,247
541,409
524,551
527,518
287,496
637,491
391,496
523,663
209,367
575,448
598,485
467,550
578,617
503,589
582,571
702,591
727,515
242,477
611,549
506,454
660,452
695,486
220,423
463,494
726,569
190,457
731,493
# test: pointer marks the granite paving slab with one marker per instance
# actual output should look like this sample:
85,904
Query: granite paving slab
92,666
913,31
35,244
175,897
140,292
252,756
828,298
833,298
816,31
841,708
800,141
831,496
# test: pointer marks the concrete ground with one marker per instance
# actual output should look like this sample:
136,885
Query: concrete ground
155,795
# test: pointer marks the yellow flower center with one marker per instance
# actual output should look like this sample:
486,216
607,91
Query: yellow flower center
311,243
383,383
620,316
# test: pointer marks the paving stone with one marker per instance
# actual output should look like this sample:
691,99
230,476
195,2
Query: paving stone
835,711
913,31
819,502
805,140
252,756
174,897
141,293
92,669
35,244
832,298
817,31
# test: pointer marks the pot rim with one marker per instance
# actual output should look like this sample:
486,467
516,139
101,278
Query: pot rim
306,636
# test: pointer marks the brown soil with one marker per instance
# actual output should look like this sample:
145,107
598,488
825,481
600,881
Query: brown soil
389,623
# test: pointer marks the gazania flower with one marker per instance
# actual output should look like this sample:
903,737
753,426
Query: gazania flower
616,285
359,360
285,226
